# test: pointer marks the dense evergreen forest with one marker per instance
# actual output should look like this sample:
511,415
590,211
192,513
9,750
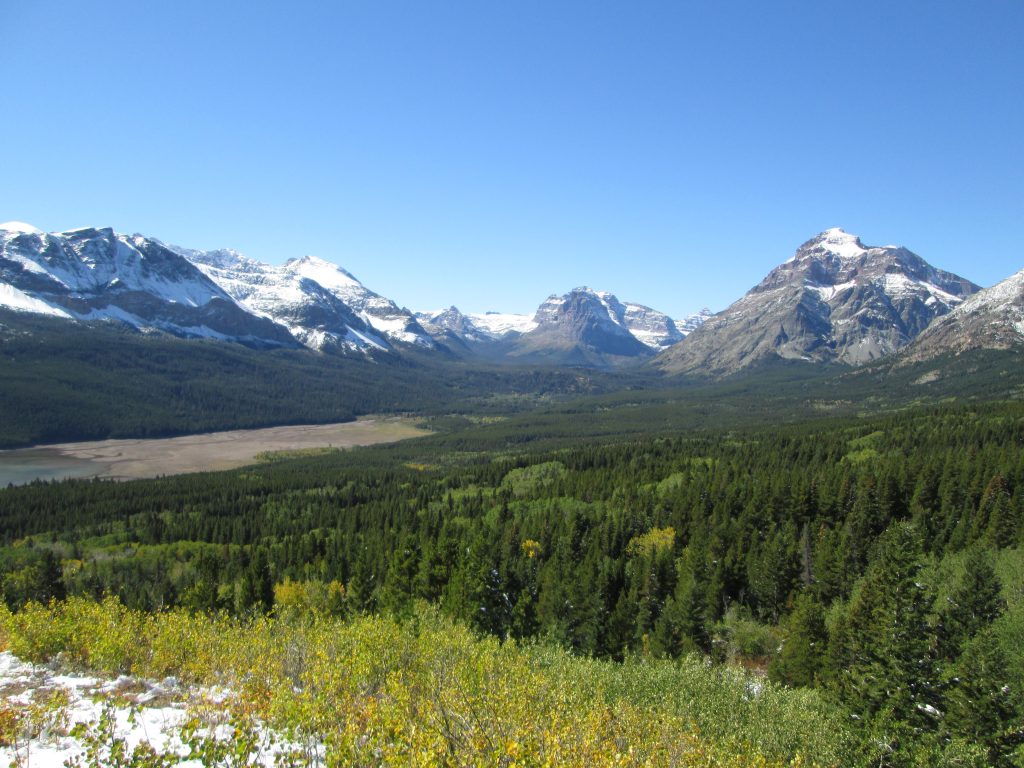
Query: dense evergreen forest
69,381
876,558
76,381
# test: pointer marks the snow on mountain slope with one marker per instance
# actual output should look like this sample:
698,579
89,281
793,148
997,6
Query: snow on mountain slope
652,328
690,323
834,300
447,323
502,323
97,274
312,314
379,312
993,318
655,329
12,298
20,227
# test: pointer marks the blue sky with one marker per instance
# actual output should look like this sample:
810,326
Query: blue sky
486,154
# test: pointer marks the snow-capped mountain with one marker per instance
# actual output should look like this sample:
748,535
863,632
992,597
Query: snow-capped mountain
382,314
691,323
585,327
490,334
835,300
97,274
311,313
581,327
993,318
451,324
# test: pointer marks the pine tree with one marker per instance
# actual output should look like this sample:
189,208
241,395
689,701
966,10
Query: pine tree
983,706
681,627
397,593
888,664
772,571
803,650
974,604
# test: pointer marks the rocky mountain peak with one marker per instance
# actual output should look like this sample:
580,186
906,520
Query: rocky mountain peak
835,300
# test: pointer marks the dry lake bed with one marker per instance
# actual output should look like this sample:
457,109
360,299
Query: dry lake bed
129,459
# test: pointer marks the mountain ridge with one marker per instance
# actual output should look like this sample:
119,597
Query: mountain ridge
834,300
992,318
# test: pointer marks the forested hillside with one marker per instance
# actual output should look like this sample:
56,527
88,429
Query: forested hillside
65,381
69,381
876,559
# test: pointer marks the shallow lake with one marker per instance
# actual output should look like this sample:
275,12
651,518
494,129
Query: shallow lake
24,466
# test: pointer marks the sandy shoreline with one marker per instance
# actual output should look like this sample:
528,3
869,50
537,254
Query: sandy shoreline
137,458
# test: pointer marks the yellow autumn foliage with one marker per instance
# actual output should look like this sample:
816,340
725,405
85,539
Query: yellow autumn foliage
370,691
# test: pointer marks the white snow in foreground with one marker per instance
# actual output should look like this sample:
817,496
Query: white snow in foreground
148,711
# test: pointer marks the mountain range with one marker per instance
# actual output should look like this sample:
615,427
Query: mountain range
835,300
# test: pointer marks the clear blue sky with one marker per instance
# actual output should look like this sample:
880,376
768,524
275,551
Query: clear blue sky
487,153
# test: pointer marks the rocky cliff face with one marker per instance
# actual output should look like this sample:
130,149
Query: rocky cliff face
835,300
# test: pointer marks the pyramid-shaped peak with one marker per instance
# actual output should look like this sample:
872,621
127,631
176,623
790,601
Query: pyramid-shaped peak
835,242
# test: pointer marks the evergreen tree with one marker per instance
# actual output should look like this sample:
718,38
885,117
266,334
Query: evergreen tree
399,585
772,571
888,667
805,645
681,627
974,604
984,708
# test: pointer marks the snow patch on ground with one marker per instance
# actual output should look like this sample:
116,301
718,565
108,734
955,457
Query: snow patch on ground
147,711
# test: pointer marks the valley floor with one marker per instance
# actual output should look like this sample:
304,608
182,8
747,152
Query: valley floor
130,459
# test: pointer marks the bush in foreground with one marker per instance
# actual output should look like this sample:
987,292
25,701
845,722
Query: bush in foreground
372,691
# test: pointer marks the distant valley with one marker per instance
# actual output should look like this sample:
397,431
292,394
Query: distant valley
105,335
